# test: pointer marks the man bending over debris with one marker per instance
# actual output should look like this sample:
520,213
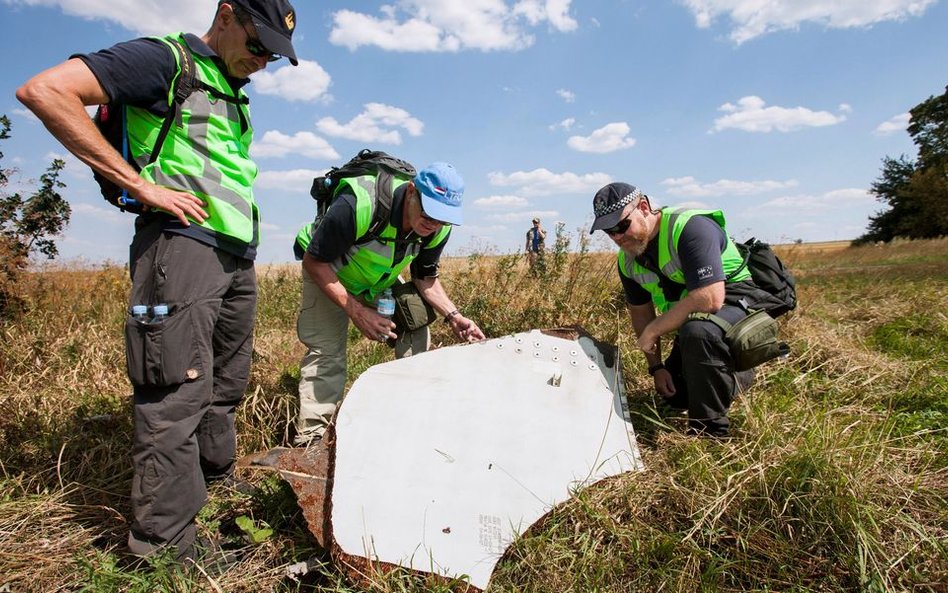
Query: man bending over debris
345,269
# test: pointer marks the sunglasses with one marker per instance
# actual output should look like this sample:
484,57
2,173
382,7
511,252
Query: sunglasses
432,220
621,227
256,48
421,207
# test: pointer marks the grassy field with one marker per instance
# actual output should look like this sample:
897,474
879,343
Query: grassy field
836,480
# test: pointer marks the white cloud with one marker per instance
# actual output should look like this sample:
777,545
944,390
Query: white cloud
508,201
751,115
98,214
899,123
292,181
145,17
836,199
25,114
541,182
525,217
449,25
556,12
568,96
277,144
306,82
689,186
566,124
609,138
373,125
752,18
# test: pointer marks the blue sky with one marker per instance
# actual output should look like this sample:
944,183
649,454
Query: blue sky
777,111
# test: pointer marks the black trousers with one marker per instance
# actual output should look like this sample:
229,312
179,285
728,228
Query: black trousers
189,373
705,382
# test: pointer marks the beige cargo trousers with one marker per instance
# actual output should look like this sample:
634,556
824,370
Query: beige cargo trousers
324,329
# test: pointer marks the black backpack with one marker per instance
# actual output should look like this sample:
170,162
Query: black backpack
111,121
366,162
769,274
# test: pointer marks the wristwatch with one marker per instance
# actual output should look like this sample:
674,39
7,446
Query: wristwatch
655,368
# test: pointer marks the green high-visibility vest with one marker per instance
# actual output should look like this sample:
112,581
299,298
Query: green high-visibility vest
369,267
669,231
206,152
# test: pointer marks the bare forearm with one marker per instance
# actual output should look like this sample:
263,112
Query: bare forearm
326,279
707,299
434,294
642,316
58,98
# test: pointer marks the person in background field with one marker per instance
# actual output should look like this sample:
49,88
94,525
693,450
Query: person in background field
193,249
345,270
679,262
536,243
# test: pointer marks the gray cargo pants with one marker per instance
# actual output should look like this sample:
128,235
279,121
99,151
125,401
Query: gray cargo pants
188,373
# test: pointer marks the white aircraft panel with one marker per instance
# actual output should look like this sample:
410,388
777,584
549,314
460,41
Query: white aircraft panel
442,459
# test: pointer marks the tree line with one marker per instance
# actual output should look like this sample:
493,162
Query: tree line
915,191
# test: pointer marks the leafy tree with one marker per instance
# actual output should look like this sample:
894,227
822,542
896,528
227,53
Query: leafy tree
916,192
29,225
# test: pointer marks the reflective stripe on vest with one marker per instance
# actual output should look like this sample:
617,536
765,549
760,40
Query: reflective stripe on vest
206,152
669,261
370,267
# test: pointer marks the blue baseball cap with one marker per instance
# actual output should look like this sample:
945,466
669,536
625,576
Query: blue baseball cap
441,189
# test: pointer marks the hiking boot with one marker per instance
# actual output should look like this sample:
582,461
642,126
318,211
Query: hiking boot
677,402
231,482
240,485
719,428
212,558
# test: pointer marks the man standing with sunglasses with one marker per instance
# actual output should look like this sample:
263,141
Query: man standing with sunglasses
346,267
679,262
194,243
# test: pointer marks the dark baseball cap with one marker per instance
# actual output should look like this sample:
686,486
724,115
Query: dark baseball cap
609,202
275,21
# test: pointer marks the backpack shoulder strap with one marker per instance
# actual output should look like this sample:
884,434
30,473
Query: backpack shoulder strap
185,84
383,206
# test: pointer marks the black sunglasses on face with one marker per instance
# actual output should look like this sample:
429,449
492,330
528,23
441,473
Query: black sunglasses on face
256,48
621,227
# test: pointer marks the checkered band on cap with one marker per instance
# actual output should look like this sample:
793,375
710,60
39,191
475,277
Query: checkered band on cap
609,201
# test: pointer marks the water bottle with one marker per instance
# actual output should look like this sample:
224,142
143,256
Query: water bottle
140,313
386,304
159,313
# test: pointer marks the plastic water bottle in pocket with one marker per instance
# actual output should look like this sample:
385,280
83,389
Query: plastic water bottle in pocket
159,313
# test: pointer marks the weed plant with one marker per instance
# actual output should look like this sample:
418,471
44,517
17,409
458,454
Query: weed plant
836,478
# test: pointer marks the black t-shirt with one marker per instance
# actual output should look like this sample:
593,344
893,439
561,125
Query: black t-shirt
139,73
336,233
700,246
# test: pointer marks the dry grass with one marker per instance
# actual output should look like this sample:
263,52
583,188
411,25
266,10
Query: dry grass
836,480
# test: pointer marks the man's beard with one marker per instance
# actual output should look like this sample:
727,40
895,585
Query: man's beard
635,249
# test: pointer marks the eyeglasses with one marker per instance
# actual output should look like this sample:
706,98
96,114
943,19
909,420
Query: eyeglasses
433,220
422,208
621,227
256,48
